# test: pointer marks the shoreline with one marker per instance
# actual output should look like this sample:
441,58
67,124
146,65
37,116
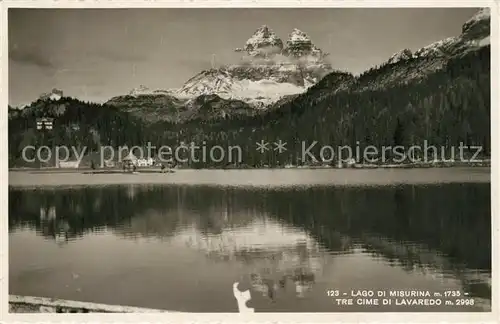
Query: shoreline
437,164
255,178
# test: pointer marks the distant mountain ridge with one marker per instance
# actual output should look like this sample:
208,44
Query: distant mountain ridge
273,70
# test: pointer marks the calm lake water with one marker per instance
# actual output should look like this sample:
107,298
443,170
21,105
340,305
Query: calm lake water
181,247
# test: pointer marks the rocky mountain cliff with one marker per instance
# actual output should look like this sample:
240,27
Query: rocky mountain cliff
267,71
263,43
299,45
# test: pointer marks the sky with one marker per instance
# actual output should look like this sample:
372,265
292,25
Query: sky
95,54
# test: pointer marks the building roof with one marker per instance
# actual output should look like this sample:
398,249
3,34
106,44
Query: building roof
130,157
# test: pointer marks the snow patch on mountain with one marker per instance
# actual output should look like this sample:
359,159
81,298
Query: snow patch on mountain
436,48
262,92
255,92
483,41
266,72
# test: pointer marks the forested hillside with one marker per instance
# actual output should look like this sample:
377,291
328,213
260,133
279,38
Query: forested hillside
76,123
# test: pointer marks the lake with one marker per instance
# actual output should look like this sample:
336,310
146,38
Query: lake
181,246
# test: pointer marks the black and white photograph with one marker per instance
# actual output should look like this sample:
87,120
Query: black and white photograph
249,160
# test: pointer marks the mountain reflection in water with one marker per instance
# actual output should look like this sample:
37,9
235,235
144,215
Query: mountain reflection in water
288,246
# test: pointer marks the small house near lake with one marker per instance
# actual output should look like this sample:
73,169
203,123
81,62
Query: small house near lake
69,164
130,161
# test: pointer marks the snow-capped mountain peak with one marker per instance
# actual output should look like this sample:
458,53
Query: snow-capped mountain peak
267,72
298,36
263,42
299,44
270,72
